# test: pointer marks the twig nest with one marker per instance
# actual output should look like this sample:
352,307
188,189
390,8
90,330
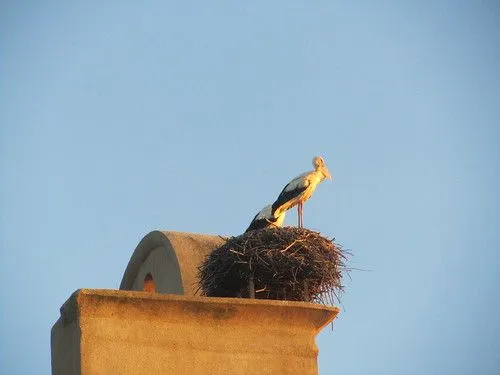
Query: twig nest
288,263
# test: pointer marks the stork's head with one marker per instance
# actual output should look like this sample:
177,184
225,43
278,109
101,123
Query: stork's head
320,166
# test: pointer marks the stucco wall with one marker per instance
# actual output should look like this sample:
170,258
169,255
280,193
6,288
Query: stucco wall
172,258
124,332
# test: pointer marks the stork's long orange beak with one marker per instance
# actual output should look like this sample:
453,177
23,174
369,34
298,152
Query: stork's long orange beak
327,174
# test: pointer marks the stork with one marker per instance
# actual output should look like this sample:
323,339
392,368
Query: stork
265,219
300,189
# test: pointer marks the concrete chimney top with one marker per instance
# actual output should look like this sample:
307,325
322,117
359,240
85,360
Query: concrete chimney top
156,325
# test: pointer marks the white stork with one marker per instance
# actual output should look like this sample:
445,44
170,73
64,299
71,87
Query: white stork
300,189
265,219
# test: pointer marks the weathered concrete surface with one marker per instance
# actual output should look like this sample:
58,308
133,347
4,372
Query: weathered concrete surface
126,332
172,259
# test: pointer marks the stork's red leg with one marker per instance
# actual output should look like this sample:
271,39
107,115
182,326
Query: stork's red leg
301,223
298,215
301,215
299,211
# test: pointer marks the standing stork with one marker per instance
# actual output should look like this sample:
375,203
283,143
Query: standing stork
300,189
265,219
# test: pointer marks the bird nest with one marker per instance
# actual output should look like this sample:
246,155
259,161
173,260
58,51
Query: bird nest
288,263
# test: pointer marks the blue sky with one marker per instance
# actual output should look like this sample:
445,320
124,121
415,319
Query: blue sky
118,118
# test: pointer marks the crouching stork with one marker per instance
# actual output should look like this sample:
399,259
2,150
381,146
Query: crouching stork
265,219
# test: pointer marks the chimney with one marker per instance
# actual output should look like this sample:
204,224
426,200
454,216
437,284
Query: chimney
156,324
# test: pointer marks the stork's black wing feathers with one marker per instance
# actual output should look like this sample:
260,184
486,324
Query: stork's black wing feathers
260,223
257,224
286,196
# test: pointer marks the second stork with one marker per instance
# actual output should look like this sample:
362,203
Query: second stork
265,219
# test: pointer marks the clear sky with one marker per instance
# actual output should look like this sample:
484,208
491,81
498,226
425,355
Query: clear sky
122,117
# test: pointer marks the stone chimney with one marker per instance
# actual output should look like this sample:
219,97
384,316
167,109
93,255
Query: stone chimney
157,324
